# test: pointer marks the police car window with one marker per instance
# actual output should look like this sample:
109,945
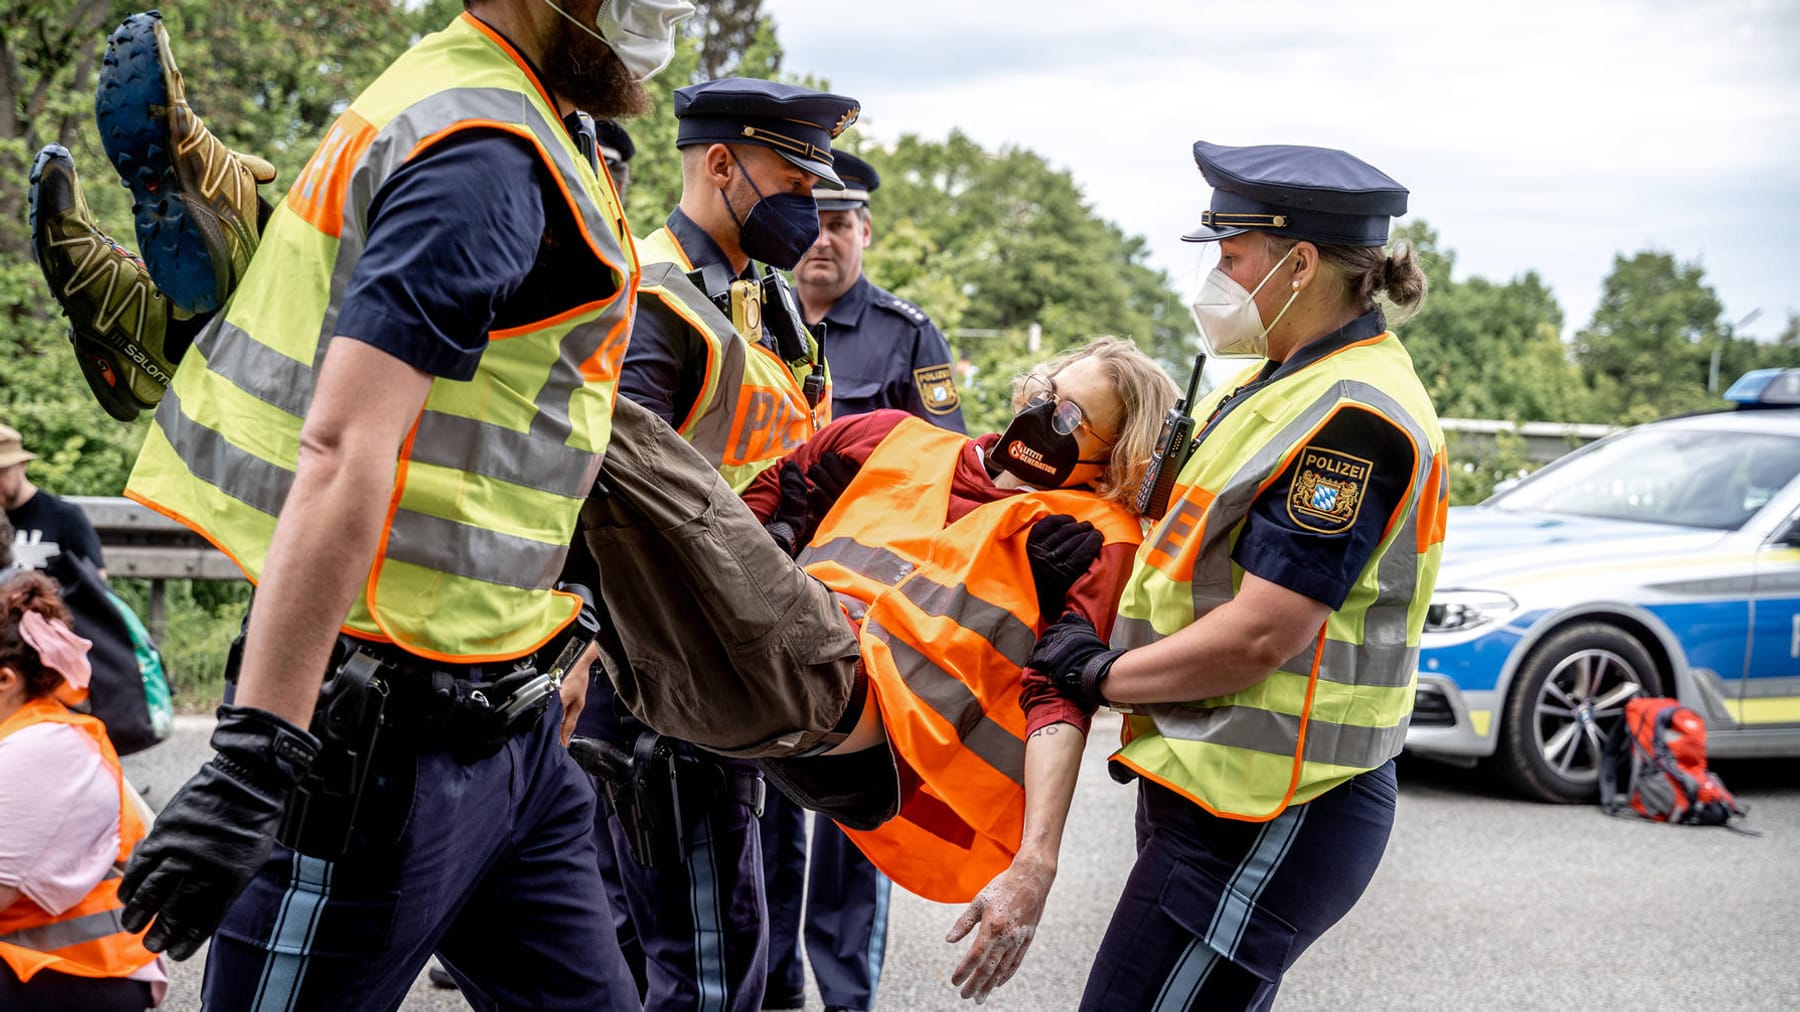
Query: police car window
1665,476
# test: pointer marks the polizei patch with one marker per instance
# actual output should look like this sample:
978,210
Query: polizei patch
937,389
1328,490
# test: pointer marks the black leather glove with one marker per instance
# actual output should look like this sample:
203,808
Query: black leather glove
1060,550
215,833
791,523
1076,660
830,475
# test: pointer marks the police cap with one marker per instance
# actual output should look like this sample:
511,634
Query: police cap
860,180
1318,194
797,123
615,143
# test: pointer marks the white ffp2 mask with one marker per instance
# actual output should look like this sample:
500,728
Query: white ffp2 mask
1229,324
641,33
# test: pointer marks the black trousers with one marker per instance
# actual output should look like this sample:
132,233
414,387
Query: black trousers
49,991
1216,910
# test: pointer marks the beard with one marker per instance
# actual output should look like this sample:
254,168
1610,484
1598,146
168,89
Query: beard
586,72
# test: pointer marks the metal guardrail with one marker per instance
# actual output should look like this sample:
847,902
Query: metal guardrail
142,544
1545,441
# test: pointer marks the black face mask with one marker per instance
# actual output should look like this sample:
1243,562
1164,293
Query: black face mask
780,227
1033,451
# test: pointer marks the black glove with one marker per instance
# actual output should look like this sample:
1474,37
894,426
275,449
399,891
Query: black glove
1076,660
793,515
215,834
1060,550
830,475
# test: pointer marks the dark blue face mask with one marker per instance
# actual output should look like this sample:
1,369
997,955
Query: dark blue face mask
780,227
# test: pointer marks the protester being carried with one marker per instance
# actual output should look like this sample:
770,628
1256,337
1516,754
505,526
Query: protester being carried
930,563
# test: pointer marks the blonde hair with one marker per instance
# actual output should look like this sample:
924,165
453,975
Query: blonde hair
1146,392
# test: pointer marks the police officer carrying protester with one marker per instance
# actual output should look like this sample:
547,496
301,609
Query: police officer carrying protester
719,353
1265,648
884,351
402,492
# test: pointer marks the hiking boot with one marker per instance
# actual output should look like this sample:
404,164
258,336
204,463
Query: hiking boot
195,199
117,318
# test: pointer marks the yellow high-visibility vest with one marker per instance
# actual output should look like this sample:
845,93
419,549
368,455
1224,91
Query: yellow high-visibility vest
1341,707
751,410
489,483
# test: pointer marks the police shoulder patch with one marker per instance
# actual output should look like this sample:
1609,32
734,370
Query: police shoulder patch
937,389
1327,490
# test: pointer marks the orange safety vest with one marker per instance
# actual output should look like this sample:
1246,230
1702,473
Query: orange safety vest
948,616
85,940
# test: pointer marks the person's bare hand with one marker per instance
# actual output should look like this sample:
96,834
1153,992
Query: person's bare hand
574,691
1004,917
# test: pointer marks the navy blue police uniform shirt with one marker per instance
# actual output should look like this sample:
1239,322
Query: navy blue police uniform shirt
665,364
884,352
450,255
1316,527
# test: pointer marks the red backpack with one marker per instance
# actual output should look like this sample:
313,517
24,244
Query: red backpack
1656,766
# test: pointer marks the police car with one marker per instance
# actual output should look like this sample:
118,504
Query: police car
1662,560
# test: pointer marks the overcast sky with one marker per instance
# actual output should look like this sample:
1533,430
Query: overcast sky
1533,136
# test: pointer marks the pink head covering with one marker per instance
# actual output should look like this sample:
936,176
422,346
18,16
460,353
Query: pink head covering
58,647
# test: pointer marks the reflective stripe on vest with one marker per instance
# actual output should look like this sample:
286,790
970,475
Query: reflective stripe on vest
948,617
86,940
751,410
1340,707
490,480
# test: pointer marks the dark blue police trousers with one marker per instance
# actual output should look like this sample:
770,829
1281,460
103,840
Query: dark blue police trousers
702,923
1216,910
845,910
490,864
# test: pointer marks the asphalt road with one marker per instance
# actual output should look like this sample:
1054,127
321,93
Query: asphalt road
1483,901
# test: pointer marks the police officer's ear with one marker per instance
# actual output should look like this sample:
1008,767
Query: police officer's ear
718,165
868,227
1304,258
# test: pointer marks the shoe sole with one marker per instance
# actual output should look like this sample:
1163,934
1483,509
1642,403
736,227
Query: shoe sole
131,106
96,364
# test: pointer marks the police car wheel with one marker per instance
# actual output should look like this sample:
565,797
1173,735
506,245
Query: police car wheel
1563,701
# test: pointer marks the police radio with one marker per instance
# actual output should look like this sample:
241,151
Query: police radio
1173,448
587,140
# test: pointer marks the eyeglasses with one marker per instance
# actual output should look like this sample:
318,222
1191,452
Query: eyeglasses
1068,415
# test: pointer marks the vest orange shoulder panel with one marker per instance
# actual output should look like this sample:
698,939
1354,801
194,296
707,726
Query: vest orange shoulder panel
85,940
949,616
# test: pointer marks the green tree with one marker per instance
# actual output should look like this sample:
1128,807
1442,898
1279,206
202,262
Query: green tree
268,77
1648,350
1487,349
995,242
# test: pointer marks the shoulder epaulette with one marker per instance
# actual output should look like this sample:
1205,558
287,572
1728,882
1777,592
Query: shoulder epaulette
888,300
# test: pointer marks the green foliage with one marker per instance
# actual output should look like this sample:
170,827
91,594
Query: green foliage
1490,350
1649,346
995,242
268,78
1476,468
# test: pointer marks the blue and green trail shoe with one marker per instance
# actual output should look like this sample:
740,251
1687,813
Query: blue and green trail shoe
198,219
118,321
